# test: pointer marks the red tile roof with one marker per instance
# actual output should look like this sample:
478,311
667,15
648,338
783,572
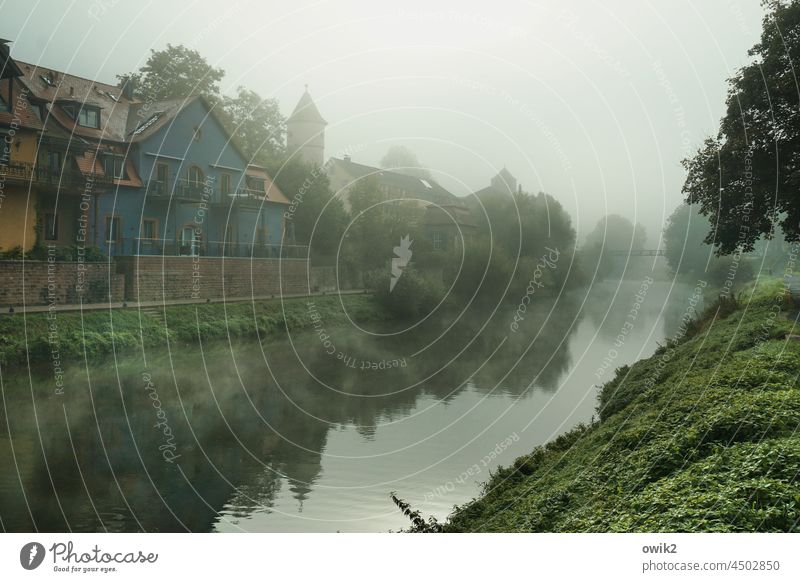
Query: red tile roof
271,189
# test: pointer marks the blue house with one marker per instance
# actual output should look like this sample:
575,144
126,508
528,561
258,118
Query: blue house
198,194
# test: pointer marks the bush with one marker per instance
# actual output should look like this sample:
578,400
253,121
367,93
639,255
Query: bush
60,253
413,295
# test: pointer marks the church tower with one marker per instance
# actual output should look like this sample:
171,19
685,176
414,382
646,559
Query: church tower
504,182
305,131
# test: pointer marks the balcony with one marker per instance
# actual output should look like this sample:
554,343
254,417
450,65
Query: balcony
181,189
245,194
172,248
36,175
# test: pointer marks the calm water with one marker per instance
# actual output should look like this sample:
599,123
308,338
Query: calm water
284,436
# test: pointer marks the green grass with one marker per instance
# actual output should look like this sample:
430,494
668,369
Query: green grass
25,337
703,436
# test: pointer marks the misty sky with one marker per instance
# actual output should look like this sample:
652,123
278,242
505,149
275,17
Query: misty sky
593,102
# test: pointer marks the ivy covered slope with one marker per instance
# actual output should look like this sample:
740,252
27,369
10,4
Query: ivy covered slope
98,333
703,436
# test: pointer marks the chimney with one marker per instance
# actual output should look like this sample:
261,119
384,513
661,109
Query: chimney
347,157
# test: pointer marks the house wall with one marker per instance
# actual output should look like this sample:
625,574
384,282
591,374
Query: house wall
17,217
174,278
18,213
340,182
174,145
308,139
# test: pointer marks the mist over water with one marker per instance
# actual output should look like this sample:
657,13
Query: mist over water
285,436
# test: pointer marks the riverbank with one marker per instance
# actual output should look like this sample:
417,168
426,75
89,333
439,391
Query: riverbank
702,436
67,337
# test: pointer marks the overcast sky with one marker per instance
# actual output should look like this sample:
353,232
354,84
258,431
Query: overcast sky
593,102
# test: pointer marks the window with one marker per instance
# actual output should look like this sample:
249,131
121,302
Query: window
256,185
69,110
53,161
149,229
162,178
225,184
195,176
89,117
190,241
114,166
438,241
50,226
113,232
198,134
3,104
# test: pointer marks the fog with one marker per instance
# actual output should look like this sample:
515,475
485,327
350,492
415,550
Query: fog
595,103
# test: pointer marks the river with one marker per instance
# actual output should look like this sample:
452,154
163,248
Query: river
312,433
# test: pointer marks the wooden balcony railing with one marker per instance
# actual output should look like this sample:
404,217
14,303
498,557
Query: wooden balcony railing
44,176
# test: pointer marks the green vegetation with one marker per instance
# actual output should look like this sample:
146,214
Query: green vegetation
26,337
700,437
743,179
59,253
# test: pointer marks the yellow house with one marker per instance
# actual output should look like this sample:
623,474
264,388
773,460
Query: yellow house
20,128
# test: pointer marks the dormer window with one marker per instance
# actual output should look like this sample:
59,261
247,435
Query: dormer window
89,117
114,166
255,184
85,115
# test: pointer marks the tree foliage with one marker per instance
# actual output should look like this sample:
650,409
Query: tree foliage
316,218
256,123
402,160
176,71
684,236
746,178
612,236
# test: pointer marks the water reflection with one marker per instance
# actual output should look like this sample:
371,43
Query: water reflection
287,436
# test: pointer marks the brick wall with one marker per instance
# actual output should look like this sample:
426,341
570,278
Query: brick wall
69,282
158,278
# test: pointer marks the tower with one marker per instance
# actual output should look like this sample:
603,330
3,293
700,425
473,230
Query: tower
305,131
504,181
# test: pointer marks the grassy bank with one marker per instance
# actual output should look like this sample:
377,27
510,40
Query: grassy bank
703,436
32,337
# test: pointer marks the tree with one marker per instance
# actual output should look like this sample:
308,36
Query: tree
174,72
316,218
256,123
612,236
684,240
375,227
746,178
403,160
524,224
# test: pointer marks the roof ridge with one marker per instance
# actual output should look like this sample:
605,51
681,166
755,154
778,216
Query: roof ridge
64,73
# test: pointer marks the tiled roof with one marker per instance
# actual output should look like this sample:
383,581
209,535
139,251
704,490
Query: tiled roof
449,215
271,190
56,89
423,188
23,112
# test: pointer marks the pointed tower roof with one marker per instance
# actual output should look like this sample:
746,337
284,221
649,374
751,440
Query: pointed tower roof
504,180
306,110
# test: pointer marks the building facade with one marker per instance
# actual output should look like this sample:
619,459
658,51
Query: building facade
87,164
